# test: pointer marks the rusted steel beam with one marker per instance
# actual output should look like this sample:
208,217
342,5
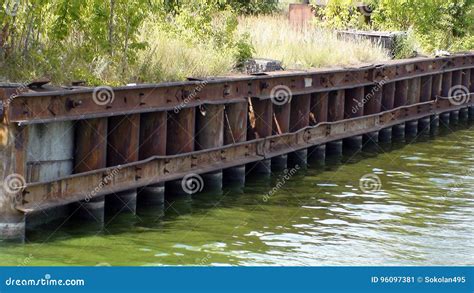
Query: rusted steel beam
354,107
336,109
388,103
90,154
235,131
299,119
209,135
424,124
436,86
373,100
153,133
261,126
446,88
159,169
123,148
76,104
318,113
414,93
180,139
281,125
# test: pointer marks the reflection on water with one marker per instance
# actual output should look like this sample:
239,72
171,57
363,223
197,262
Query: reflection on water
421,214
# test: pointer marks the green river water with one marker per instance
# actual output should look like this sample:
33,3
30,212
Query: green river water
422,215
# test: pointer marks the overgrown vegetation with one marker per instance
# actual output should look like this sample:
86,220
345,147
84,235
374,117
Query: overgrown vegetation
434,24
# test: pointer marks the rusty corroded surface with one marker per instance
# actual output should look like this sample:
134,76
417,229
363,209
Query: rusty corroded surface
158,169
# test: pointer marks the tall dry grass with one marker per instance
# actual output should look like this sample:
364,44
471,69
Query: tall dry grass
273,37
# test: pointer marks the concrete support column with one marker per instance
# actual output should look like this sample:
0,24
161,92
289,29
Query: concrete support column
235,131
318,114
354,107
122,148
299,119
281,125
91,154
210,134
336,113
260,126
179,139
153,132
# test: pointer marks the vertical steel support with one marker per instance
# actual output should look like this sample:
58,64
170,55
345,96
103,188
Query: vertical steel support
401,99
335,113
152,143
388,102
180,139
426,93
456,84
91,154
414,88
354,107
210,134
281,125
319,113
235,130
466,83
446,88
299,119
13,144
471,90
373,105
436,91
261,116
122,148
